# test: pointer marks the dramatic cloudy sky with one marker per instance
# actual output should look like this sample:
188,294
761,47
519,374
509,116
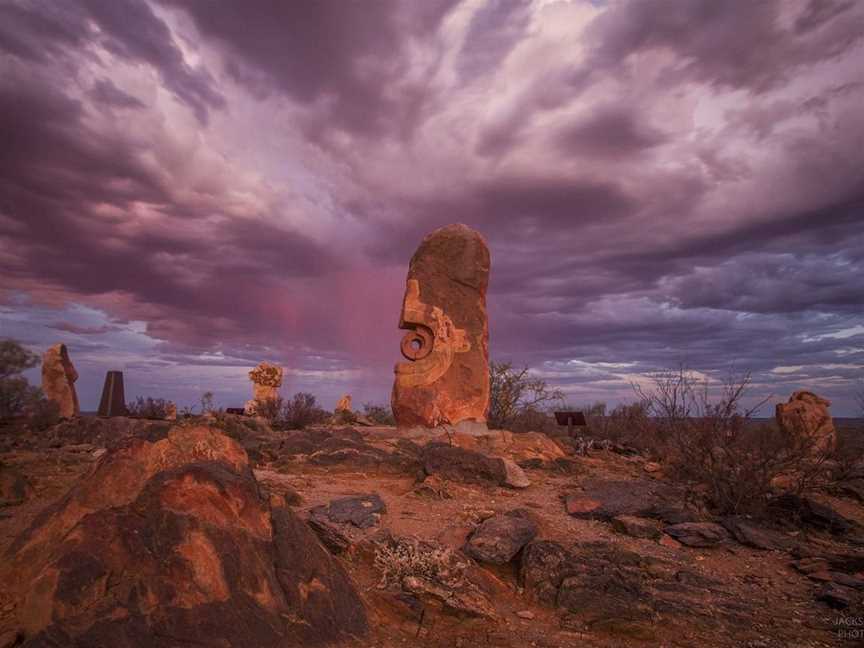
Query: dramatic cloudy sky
189,187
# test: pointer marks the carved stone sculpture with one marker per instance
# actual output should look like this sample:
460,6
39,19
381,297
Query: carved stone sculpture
446,378
266,380
344,404
58,380
806,416
113,401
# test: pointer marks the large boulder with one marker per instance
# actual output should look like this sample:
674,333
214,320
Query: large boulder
446,377
458,464
806,418
498,538
58,380
170,543
341,523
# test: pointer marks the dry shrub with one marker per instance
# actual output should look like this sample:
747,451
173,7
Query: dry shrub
714,442
380,414
397,558
149,408
626,425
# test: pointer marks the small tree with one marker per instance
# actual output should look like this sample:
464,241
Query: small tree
380,414
16,394
514,393
150,408
302,410
712,440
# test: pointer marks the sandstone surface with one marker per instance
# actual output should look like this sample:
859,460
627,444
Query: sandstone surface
446,378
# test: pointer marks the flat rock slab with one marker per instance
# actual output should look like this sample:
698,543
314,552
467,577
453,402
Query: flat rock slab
636,527
451,462
604,500
750,534
698,534
811,512
340,523
499,538
363,511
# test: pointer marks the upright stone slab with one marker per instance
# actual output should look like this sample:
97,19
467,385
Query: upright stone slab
113,401
58,380
446,378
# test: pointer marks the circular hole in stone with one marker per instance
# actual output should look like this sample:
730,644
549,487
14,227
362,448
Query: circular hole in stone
416,344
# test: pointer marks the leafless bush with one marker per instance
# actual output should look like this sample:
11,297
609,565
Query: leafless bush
398,558
380,414
625,424
713,441
516,399
150,408
270,409
301,411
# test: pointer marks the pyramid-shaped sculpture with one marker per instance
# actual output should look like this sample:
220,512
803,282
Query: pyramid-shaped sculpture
113,401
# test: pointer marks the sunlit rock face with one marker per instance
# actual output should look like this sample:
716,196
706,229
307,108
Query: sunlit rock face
58,380
446,378
806,416
266,380
172,543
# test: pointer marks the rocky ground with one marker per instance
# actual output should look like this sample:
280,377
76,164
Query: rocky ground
118,532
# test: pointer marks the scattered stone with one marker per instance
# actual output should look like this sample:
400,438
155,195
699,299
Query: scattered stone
636,527
652,467
514,476
669,542
500,537
806,418
58,380
471,602
748,534
698,534
363,511
813,513
181,525
668,513
810,565
525,614
835,596
542,568
446,378
339,523
604,500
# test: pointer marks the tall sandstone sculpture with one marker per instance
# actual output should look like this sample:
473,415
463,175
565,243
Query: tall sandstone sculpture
446,378
58,380
806,417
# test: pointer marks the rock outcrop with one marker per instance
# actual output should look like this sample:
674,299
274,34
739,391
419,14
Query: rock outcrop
446,378
171,543
58,380
806,418
500,537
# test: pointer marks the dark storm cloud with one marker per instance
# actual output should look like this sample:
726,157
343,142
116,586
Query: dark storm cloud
676,182
611,132
104,91
741,46
345,55
41,30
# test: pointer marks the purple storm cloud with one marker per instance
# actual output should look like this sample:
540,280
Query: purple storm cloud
188,188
